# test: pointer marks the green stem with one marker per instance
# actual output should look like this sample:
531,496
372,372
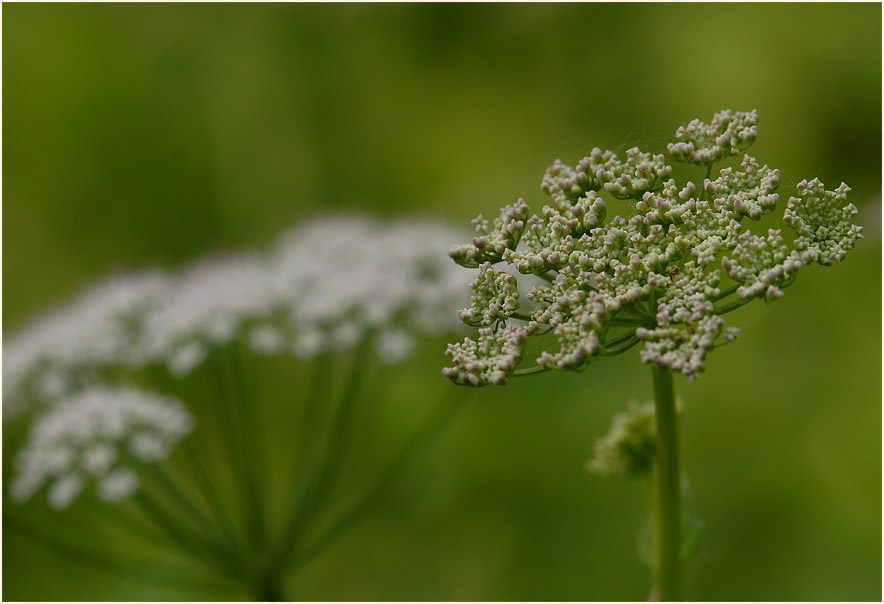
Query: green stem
176,494
634,313
318,486
132,517
194,543
248,410
81,553
520,316
270,589
210,493
732,305
735,304
668,566
731,289
623,337
430,430
618,320
530,371
611,351
237,447
307,463
706,176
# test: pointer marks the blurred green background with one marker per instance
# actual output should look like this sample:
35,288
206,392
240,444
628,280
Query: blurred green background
147,135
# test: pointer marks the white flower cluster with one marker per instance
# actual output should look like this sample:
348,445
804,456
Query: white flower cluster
651,277
338,279
576,317
749,190
727,134
495,300
93,437
493,239
489,360
639,173
327,284
822,221
681,348
100,326
204,306
762,265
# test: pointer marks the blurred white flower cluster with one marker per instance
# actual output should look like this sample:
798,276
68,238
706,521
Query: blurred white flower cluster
94,434
660,273
326,285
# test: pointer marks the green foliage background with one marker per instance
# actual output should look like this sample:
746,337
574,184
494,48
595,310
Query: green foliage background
143,135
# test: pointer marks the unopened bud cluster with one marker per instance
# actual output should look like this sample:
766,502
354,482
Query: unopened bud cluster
629,447
661,272
727,134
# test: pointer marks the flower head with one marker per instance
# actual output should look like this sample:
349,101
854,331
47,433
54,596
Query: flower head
97,436
489,360
661,274
822,221
327,285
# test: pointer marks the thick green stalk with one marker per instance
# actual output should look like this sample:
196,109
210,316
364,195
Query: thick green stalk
270,589
668,565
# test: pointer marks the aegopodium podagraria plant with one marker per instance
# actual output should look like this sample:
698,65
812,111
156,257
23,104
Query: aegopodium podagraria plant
623,256
98,391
